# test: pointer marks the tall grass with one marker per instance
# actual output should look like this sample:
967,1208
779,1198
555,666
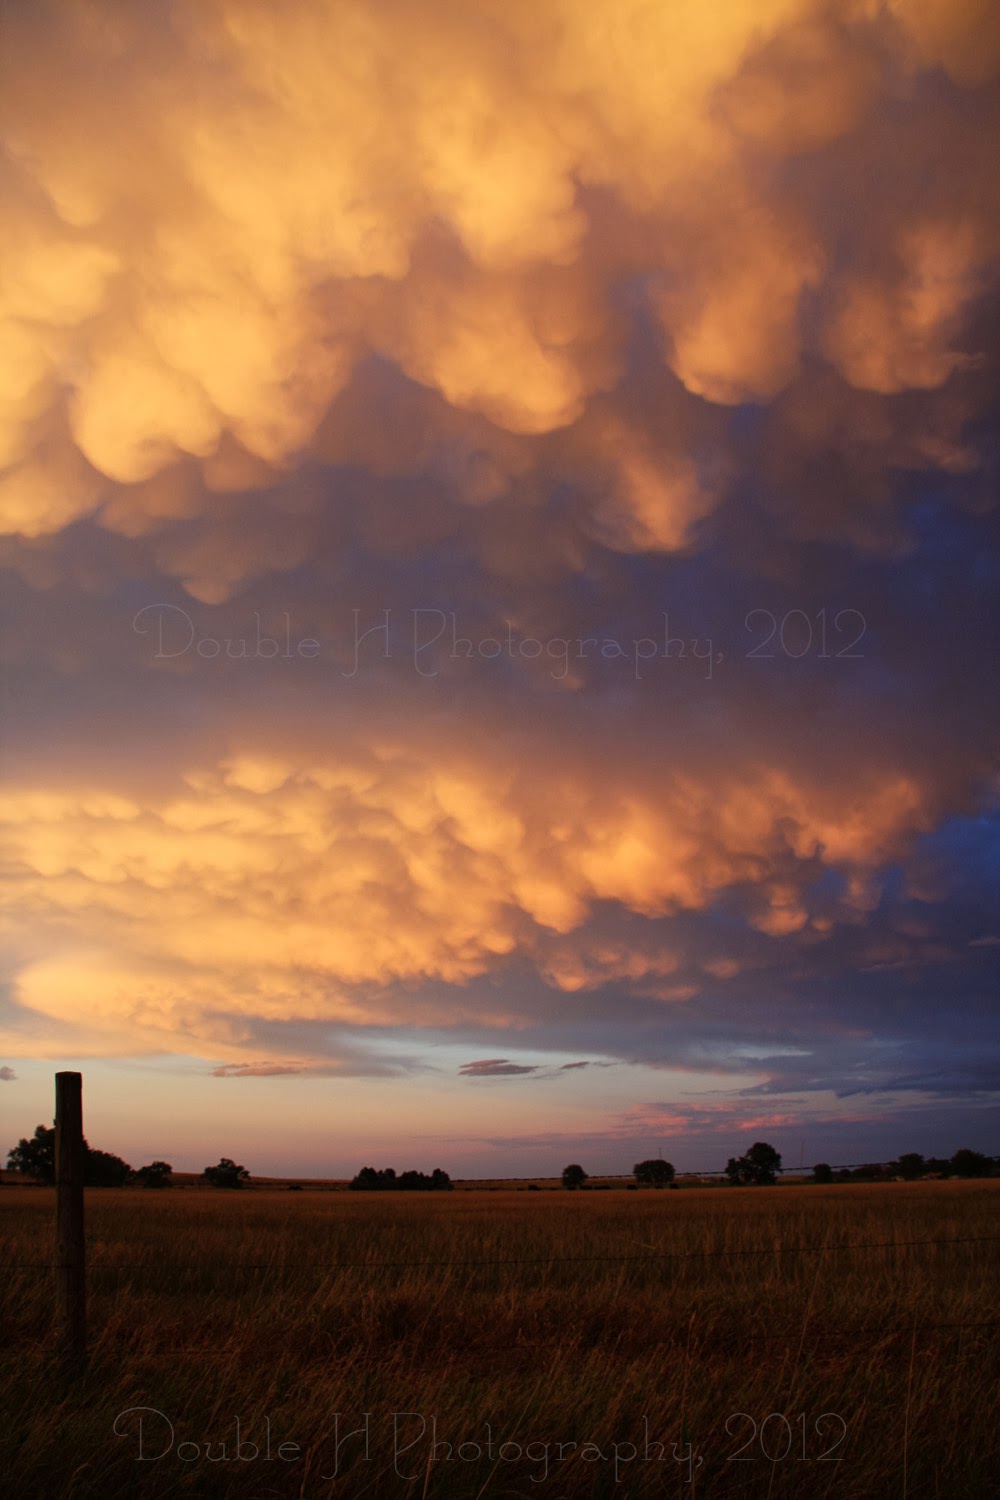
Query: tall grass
716,1322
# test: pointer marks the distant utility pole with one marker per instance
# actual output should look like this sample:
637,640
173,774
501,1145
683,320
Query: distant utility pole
71,1283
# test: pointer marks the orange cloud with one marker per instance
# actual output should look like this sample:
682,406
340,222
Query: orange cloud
494,296
297,893
188,298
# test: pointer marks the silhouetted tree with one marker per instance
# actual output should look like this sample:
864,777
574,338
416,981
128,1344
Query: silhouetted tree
653,1173
573,1176
155,1175
966,1163
413,1181
822,1172
872,1171
37,1157
102,1169
910,1165
226,1175
386,1181
366,1181
760,1165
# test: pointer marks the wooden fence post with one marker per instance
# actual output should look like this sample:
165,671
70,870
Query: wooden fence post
71,1282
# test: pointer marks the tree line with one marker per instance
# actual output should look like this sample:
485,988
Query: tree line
36,1157
911,1167
759,1166
386,1181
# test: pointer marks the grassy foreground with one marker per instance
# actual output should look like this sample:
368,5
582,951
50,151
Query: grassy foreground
775,1342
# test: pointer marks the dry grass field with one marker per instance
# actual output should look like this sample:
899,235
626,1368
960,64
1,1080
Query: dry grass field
788,1341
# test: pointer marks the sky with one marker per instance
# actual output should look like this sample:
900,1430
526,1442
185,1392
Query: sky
499,537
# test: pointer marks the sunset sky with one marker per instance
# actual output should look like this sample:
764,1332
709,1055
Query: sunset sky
500,562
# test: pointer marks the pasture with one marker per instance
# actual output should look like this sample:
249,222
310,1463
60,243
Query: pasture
789,1341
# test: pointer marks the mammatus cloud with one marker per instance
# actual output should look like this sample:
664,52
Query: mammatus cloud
551,319
261,888
188,300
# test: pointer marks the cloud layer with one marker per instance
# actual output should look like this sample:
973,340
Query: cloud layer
595,410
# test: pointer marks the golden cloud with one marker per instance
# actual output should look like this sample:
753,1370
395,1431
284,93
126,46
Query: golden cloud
190,295
289,286
306,894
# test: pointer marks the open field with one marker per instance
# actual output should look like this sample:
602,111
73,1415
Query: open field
801,1341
